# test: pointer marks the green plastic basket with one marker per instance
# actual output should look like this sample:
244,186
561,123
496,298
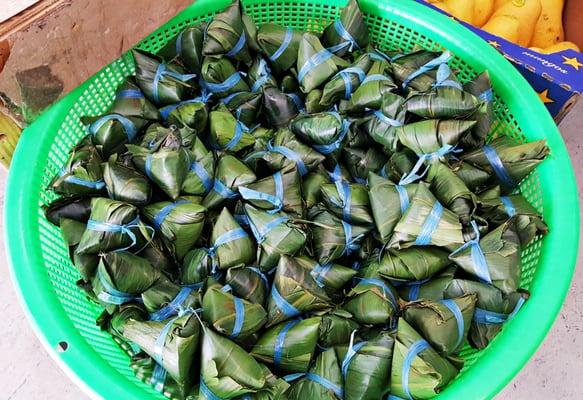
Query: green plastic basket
64,319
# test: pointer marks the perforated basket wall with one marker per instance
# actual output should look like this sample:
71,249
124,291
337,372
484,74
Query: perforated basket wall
387,33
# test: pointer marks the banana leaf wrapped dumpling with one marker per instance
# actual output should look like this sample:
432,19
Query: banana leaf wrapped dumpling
388,203
474,178
311,187
275,234
281,191
493,309
179,222
350,31
280,108
497,209
294,292
348,201
191,114
315,63
373,88
197,266
226,35
165,299
382,125
494,259
280,44
230,173
162,83
124,183
122,277
325,132
366,367
231,315
432,289
413,264
360,162
331,277
227,370
418,69
151,373
346,81
289,346
77,208
417,371
112,225
287,150
219,77
508,163
445,323
114,324
200,176
336,328
131,102
227,132
334,238
427,223
82,174
72,231
481,88
249,283
246,105
259,75
323,381
372,302
166,163
187,45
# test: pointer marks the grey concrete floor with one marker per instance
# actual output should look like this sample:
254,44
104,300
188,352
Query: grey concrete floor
28,373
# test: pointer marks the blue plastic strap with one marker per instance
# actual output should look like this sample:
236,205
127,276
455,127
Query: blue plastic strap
282,304
148,166
275,200
75,180
414,174
297,101
173,307
413,352
240,128
345,74
238,46
344,34
239,317
487,96
336,174
508,206
351,244
375,78
261,274
430,225
227,237
383,172
280,339
223,190
338,391
163,71
227,100
161,340
414,292
343,189
290,154
335,145
319,58
206,392
271,225
459,318
111,295
225,86
443,73
498,166
163,213
128,126
478,258
289,33
403,198
436,62
353,349
178,44
482,316
389,121
242,219
166,111
263,75
130,94
159,378
319,272
387,292
203,175
125,229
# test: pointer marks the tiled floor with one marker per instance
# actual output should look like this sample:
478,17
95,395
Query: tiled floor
28,373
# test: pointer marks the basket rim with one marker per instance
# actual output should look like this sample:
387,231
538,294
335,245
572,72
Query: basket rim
495,368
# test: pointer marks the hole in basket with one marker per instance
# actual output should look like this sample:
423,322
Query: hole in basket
62,347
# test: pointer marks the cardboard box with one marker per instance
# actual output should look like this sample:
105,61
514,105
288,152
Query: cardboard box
557,78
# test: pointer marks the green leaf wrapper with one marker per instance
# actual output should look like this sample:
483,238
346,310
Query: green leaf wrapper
217,71
161,294
315,75
481,88
196,267
384,131
473,177
249,283
352,20
441,103
75,207
429,136
336,328
370,93
372,302
247,105
133,106
284,137
279,108
436,322
429,372
192,114
271,37
234,252
331,277
298,342
144,367
360,162
336,88
312,102
358,202
311,187
407,64
413,264
187,45
434,289
326,367
223,129
125,184
232,173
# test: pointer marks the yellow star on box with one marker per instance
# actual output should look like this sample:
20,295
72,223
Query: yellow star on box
493,43
573,62
544,96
